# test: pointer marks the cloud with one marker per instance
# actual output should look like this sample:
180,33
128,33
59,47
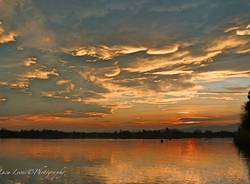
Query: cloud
243,32
224,43
28,23
133,58
116,71
30,61
221,75
104,52
67,93
22,81
34,34
40,74
208,119
3,99
226,98
125,91
243,51
163,50
239,30
51,94
108,52
182,57
67,115
173,72
6,37
7,8
62,82
75,114
225,92
238,88
231,29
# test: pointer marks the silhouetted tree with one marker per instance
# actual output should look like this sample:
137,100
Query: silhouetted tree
122,134
246,116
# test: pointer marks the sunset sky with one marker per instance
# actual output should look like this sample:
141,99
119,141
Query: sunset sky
101,65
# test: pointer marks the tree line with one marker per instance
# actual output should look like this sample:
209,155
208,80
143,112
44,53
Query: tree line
122,134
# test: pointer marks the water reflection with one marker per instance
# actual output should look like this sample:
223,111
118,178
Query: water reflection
244,153
189,161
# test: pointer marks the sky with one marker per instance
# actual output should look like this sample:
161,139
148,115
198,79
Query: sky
105,65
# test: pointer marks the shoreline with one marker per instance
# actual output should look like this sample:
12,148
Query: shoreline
165,139
167,134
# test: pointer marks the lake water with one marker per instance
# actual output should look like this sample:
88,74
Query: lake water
187,161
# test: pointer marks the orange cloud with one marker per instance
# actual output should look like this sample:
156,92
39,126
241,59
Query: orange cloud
221,44
239,30
104,52
243,51
231,29
62,82
6,37
30,61
39,74
243,32
220,75
163,50
181,57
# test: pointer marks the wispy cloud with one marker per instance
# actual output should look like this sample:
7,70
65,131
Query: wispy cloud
104,52
220,75
224,43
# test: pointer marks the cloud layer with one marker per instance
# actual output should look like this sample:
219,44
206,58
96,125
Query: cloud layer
122,64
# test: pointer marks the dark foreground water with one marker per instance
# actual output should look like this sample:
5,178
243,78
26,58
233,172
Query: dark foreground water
187,161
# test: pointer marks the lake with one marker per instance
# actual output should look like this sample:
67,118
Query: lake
184,161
